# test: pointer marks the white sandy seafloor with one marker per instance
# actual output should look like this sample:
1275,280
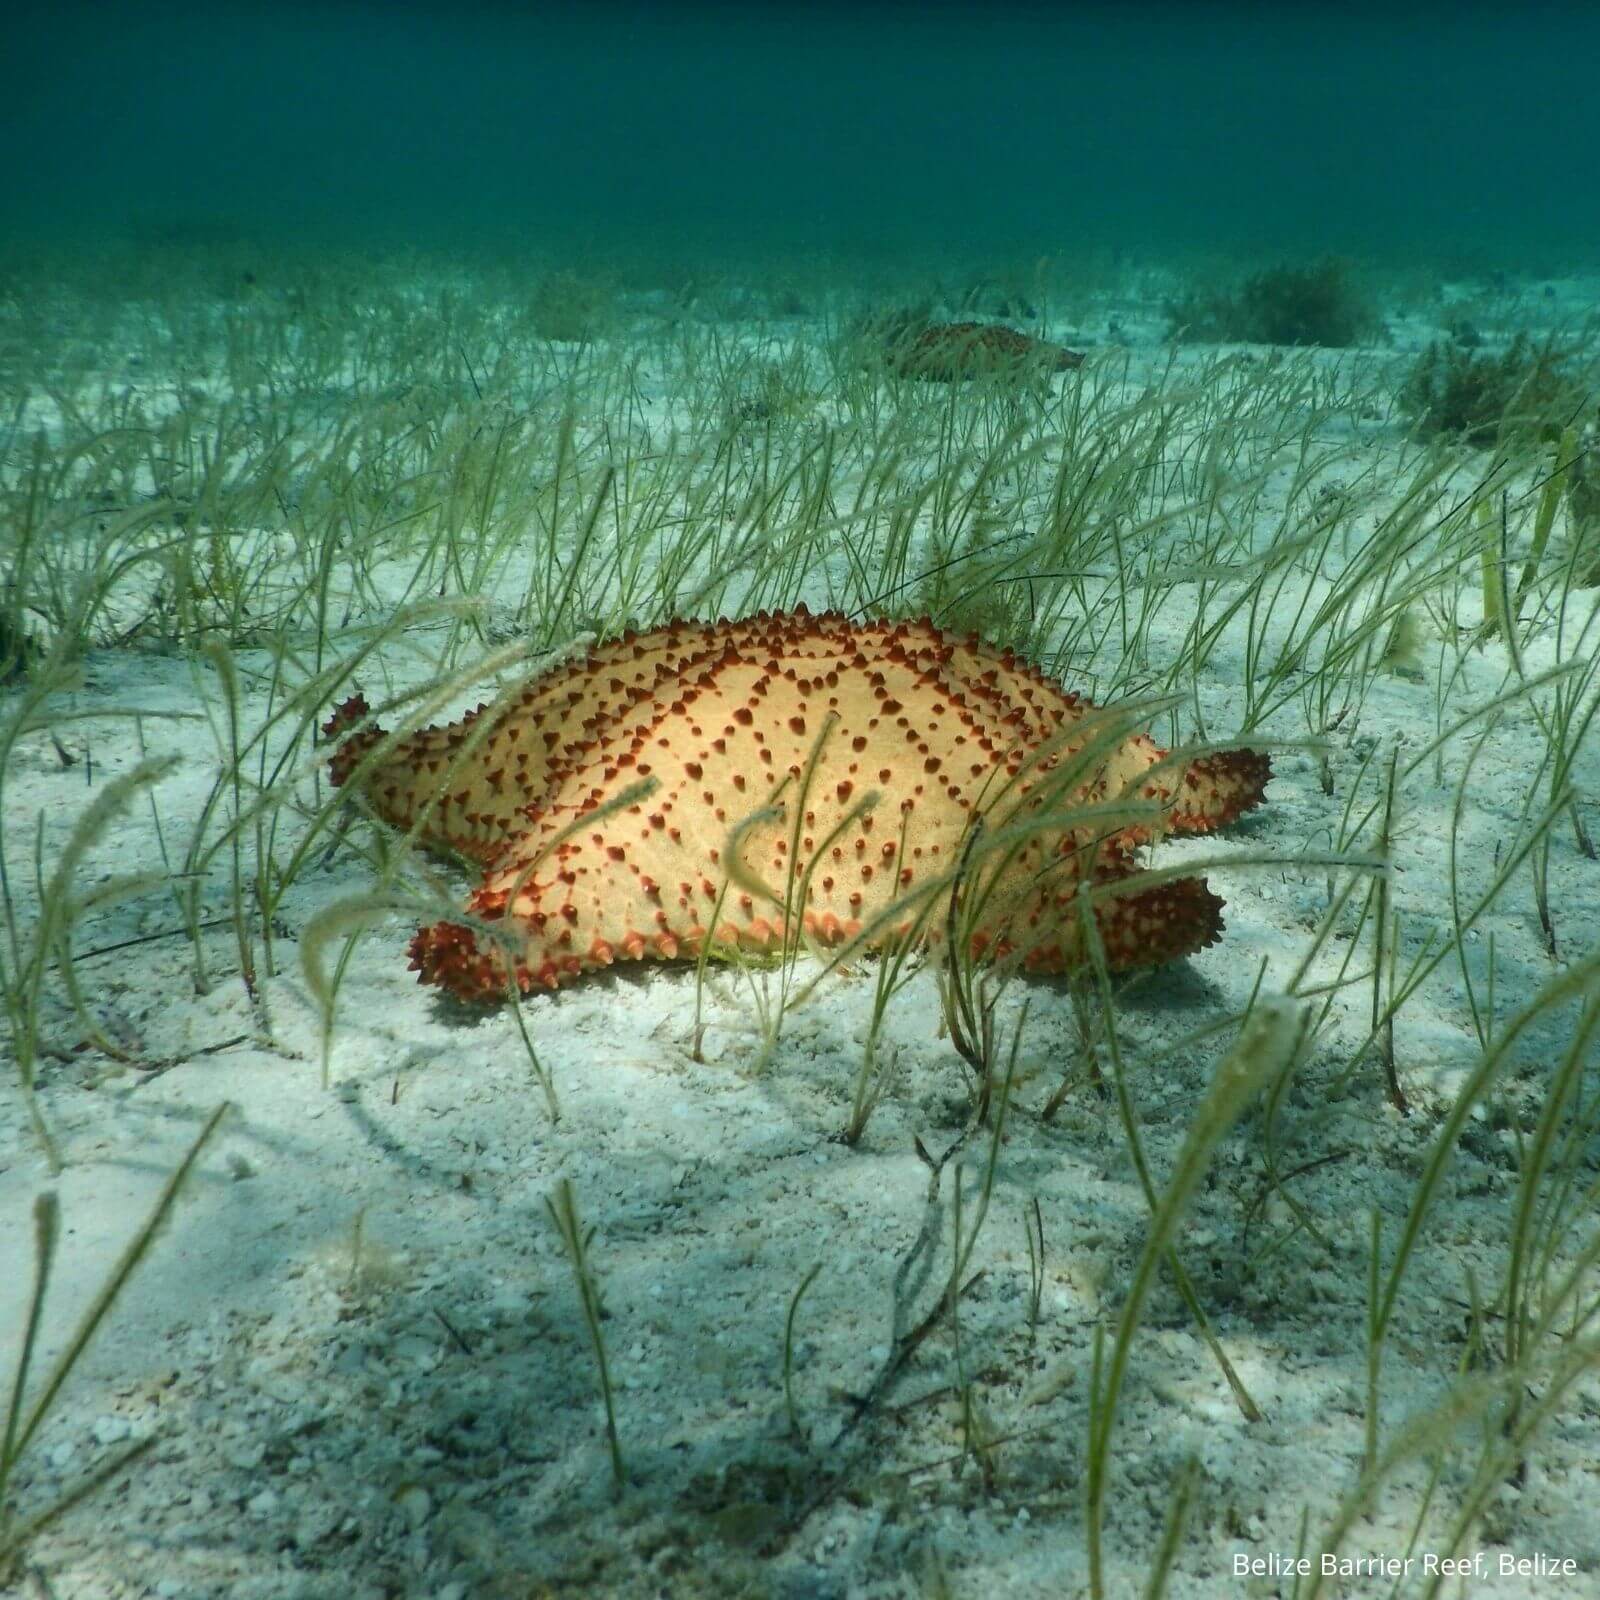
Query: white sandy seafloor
360,1342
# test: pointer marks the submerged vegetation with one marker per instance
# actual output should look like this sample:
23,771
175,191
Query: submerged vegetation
1525,390
1313,305
1375,1129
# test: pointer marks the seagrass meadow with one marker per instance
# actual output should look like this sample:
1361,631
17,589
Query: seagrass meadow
788,1266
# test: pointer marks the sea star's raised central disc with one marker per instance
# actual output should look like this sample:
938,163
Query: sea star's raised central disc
845,762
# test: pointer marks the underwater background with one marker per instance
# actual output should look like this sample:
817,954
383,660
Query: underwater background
1465,134
1234,367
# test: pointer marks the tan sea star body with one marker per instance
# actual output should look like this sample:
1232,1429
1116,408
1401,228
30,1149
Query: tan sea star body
951,352
846,762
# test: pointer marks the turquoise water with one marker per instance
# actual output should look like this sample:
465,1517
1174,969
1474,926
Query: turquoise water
1451,133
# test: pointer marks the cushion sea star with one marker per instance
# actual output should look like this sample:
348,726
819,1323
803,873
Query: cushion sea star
845,763
948,352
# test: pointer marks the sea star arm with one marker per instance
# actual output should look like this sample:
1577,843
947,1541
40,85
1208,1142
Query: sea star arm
1218,789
